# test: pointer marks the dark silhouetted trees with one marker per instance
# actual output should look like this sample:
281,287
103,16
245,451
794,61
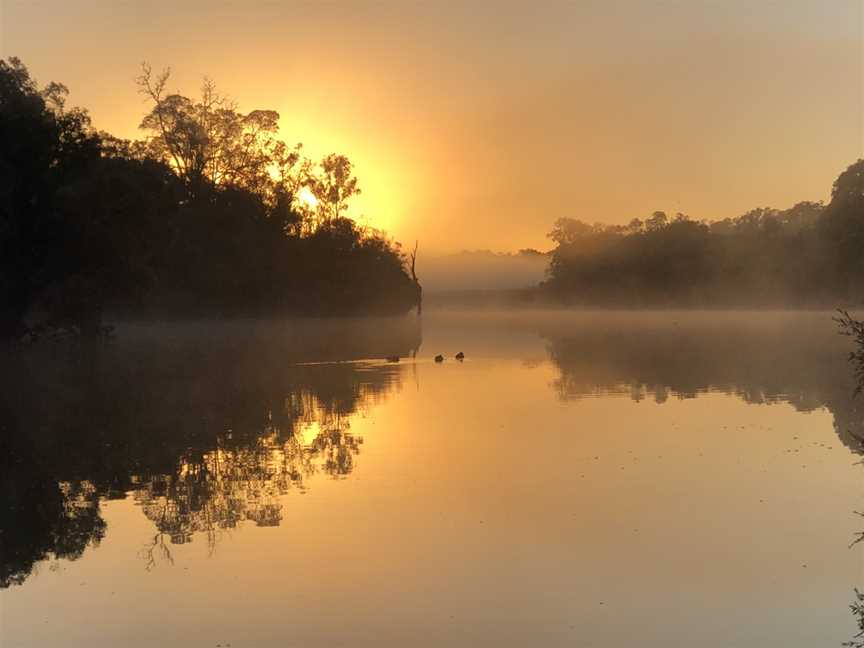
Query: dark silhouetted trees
200,218
44,150
842,230
808,254
854,329
209,143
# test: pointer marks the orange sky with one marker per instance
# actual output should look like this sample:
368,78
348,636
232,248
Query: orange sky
478,126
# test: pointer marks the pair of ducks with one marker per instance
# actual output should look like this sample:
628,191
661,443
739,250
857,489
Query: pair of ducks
438,358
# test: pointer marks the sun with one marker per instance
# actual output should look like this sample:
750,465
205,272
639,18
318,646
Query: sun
306,198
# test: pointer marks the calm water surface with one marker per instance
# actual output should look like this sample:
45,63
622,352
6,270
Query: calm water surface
593,479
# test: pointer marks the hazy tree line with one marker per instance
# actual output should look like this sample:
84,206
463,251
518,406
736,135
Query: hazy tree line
810,254
200,217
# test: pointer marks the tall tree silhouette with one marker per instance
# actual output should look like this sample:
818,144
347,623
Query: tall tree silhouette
200,218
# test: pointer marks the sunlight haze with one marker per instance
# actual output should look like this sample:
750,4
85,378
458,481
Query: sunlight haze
431,324
478,126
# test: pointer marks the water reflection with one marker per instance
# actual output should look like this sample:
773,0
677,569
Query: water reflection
770,358
221,488
208,437
207,433
44,519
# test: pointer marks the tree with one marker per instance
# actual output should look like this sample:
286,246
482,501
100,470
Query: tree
44,149
857,609
808,253
201,218
657,222
854,329
414,278
843,230
209,143
332,187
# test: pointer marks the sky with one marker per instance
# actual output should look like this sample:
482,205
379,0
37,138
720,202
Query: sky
476,125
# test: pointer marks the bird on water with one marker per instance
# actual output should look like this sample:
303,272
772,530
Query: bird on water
439,358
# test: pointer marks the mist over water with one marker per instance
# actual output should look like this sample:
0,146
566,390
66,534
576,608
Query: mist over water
581,478
484,270
357,325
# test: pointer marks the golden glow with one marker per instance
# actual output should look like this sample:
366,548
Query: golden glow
486,505
386,179
306,198
308,432
467,133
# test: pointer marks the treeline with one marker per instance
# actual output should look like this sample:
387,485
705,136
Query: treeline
209,215
811,254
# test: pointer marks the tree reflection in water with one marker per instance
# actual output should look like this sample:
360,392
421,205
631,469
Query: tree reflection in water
773,358
207,427
211,434
66,522
230,484
767,358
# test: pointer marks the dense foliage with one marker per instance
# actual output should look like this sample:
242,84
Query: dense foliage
199,218
854,329
809,254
